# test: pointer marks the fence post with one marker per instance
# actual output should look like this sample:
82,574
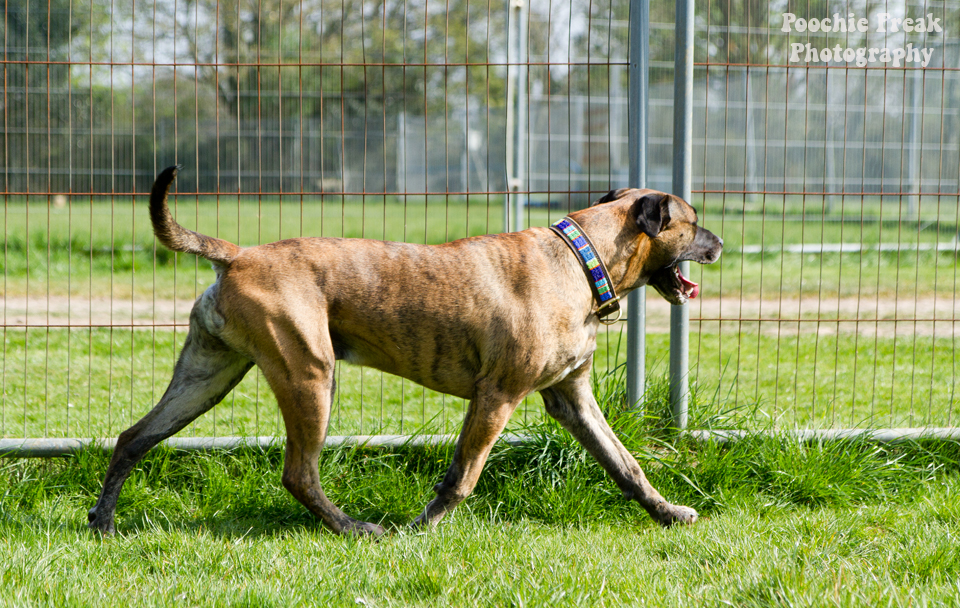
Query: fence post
913,124
638,94
516,114
682,178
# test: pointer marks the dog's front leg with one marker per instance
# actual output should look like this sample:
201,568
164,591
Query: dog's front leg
573,405
486,417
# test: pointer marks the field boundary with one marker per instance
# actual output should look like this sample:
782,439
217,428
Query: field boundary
893,435
47,447
821,248
51,447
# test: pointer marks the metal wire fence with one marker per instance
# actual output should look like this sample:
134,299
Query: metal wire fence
835,187
838,191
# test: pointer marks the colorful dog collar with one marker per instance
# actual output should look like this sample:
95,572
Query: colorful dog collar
597,275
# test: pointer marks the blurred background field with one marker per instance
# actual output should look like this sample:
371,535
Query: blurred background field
836,189
781,337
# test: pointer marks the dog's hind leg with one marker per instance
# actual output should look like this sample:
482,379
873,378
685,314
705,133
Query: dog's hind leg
572,404
486,417
304,387
205,373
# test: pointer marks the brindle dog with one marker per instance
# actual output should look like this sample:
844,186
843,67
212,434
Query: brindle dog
490,319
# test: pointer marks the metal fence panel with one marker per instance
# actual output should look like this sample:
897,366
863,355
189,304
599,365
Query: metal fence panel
315,117
835,186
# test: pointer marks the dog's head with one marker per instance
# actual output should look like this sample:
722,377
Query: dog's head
670,223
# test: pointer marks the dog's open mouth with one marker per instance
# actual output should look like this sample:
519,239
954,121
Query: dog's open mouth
673,286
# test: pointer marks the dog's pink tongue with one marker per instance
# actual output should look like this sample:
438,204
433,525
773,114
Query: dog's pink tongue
690,288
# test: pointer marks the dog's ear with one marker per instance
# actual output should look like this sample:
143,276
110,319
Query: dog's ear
652,213
610,196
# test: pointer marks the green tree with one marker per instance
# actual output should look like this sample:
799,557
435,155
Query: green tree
291,58
37,37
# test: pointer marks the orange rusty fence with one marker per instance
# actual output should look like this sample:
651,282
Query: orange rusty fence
836,188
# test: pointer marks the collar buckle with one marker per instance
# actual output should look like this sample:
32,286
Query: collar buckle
615,308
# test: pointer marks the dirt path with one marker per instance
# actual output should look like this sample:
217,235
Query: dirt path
61,310
869,315
880,316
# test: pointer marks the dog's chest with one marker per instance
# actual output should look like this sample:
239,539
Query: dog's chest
573,352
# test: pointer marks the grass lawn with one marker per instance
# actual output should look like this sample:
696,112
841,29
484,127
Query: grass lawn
106,248
95,382
838,524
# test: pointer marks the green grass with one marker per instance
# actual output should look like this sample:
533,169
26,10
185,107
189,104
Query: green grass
806,381
96,248
834,524
99,248
95,383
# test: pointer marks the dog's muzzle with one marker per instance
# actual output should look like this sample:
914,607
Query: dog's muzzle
670,282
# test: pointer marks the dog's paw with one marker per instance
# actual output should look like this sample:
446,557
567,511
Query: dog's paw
97,523
420,525
670,515
363,528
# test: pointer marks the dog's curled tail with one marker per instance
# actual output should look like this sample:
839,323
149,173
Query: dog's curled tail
176,237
